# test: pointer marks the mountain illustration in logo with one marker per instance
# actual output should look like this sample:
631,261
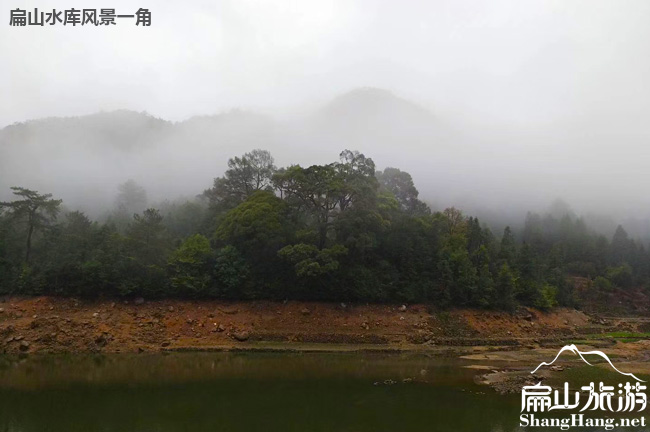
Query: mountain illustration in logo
574,349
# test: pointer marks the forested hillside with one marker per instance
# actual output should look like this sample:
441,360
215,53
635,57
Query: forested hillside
341,231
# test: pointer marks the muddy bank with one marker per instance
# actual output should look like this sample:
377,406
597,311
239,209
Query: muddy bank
46,324
508,371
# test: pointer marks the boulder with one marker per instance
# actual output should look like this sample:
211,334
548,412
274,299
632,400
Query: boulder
241,336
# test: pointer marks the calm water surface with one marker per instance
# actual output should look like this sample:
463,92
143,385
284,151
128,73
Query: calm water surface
248,392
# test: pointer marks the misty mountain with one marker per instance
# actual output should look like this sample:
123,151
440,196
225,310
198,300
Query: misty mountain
486,173
83,159
376,122
369,110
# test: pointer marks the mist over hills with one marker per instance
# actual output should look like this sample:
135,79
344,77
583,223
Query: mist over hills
497,175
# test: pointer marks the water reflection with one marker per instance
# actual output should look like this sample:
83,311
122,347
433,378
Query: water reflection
247,392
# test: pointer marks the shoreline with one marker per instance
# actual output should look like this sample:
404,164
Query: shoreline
52,324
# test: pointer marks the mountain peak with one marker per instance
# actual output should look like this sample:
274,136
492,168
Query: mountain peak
372,98
371,107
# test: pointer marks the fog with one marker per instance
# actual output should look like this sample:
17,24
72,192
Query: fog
495,107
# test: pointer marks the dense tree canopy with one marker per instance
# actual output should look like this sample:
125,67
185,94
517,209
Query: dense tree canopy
338,231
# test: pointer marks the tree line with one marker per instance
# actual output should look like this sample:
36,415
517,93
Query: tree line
342,231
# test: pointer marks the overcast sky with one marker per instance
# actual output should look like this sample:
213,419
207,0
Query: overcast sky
512,61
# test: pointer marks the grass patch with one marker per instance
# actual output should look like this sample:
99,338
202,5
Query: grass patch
619,336
627,335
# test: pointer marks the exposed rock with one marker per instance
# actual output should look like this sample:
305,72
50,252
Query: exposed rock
2,310
165,344
305,311
24,346
241,336
138,301
402,308
221,328
95,315
102,339
7,330
170,308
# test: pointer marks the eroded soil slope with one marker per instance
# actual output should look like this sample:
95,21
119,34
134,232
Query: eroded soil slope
46,324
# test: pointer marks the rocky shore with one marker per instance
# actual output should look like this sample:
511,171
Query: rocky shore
48,324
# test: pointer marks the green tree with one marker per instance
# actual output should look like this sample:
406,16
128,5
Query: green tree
38,211
258,224
311,262
325,191
400,184
245,175
505,289
232,274
621,247
148,238
508,248
131,198
190,267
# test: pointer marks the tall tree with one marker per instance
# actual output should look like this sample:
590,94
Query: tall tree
148,237
36,210
621,246
247,174
508,248
131,198
323,191
400,184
